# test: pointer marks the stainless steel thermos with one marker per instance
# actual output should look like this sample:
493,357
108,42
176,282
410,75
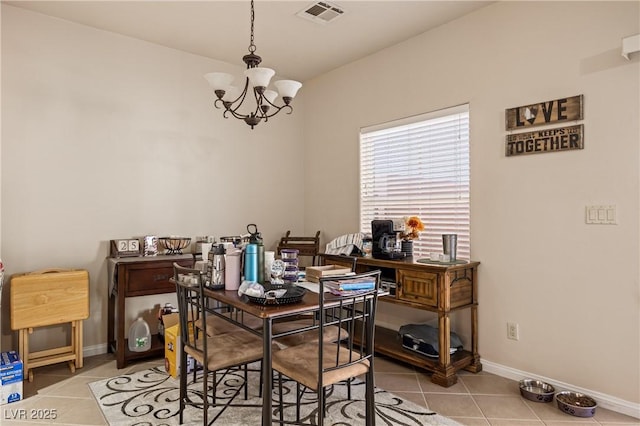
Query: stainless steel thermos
255,238
218,267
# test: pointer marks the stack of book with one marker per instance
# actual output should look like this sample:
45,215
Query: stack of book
350,287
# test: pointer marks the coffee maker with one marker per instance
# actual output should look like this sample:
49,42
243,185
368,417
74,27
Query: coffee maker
384,240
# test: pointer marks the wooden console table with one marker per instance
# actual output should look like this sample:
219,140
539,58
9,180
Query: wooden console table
137,276
435,287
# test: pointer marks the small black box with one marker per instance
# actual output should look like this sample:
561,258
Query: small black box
423,339
420,346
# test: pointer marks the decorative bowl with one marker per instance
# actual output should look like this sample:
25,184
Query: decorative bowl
576,404
292,294
174,245
536,390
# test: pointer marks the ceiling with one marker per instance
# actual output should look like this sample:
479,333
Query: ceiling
296,48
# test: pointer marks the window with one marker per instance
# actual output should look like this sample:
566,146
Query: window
419,166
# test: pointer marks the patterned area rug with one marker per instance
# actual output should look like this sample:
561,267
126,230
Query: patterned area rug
150,397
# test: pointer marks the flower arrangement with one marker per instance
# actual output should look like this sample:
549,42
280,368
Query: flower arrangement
412,228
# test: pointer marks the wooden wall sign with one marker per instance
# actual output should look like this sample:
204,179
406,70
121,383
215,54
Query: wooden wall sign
550,112
558,139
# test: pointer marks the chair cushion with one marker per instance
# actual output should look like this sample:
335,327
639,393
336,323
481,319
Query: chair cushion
300,363
229,349
330,333
216,325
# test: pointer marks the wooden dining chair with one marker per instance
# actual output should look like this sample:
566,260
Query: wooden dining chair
215,353
318,365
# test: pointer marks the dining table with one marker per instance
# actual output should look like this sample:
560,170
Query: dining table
241,306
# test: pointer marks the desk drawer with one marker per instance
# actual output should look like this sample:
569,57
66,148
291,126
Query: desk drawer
148,278
418,287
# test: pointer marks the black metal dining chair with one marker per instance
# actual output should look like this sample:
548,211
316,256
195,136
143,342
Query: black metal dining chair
302,329
319,364
222,352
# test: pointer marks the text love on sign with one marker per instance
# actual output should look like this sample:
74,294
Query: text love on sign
556,111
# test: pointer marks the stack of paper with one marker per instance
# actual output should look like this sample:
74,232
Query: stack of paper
346,287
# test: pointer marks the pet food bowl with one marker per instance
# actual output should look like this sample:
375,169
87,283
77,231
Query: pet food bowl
174,245
537,391
577,404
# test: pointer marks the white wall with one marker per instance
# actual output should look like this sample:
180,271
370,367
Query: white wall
106,137
572,288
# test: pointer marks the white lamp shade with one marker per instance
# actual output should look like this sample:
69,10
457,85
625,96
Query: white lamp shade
259,77
288,88
219,80
231,94
270,95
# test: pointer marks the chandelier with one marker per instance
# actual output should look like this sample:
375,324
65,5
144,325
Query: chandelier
256,81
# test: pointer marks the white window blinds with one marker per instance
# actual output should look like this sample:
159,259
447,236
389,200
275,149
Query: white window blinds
419,166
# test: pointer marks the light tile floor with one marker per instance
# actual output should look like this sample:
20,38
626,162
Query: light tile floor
477,399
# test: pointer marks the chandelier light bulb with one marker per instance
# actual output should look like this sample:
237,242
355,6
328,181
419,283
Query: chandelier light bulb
271,95
259,77
231,94
219,80
288,89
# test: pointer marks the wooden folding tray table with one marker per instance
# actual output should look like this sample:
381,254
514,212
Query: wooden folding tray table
44,298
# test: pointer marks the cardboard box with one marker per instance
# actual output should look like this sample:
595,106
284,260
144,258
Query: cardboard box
172,346
168,320
314,273
10,377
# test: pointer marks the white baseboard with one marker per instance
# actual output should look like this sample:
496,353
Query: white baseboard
95,350
605,401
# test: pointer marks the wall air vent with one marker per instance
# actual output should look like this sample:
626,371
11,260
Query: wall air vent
321,12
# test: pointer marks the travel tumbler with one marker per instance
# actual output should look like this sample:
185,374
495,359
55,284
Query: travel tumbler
251,263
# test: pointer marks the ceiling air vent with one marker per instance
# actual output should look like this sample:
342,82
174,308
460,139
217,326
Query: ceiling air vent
321,12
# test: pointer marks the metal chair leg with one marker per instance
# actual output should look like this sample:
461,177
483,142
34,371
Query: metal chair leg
370,409
205,396
321,406
261,381
246,383
281,398
299,394
183,391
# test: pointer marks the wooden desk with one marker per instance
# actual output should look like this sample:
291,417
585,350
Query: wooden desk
137,276
435,287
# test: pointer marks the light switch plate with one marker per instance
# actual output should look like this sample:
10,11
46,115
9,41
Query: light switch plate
600,215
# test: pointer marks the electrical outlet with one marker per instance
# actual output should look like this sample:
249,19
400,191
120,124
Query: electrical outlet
512,331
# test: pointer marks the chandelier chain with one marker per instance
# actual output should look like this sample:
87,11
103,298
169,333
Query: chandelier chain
252,46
